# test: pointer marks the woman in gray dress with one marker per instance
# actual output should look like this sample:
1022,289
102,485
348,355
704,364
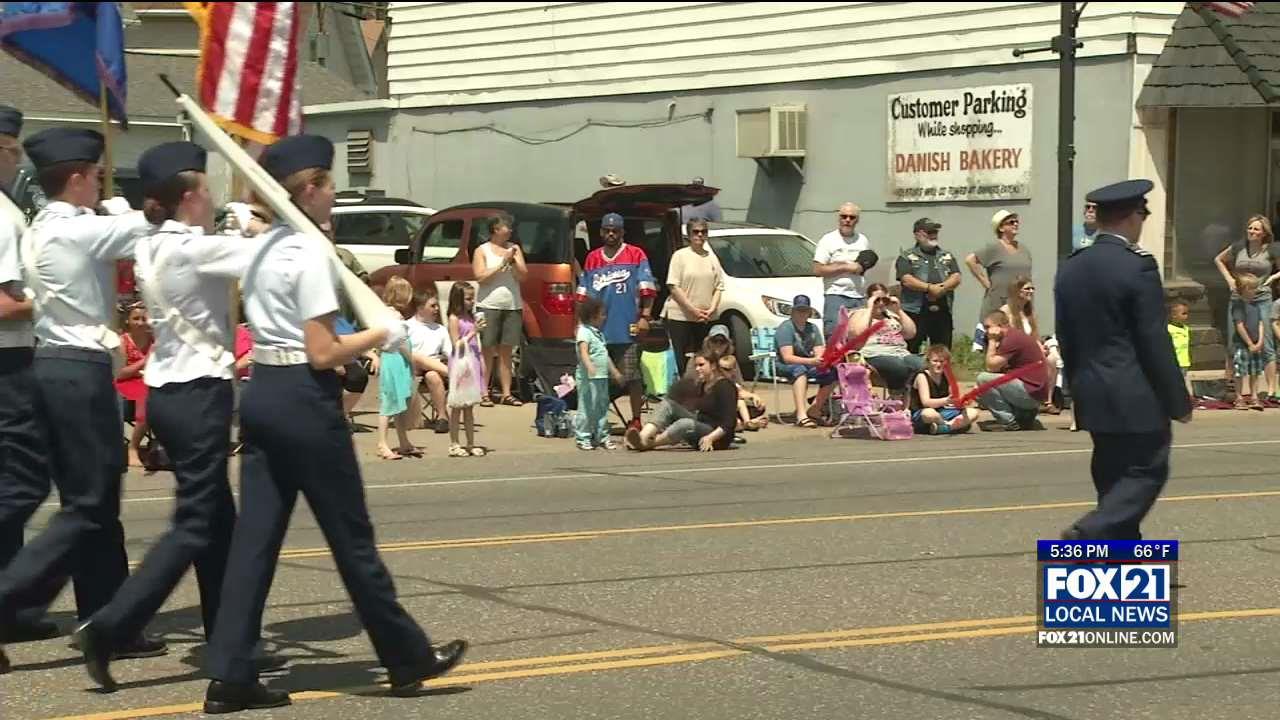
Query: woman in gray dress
1255,255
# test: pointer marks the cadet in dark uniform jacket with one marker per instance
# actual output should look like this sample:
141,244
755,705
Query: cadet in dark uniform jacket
1120,364
24,473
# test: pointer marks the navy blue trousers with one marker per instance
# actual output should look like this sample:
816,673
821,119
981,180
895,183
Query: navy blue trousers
1129,472
76,406
296,440
24,471
193,422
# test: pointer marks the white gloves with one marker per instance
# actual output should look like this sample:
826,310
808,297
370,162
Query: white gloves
116,206
397,331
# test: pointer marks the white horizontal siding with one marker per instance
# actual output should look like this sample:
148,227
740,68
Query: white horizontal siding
462,53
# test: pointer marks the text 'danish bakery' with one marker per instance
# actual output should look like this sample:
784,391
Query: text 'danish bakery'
962,144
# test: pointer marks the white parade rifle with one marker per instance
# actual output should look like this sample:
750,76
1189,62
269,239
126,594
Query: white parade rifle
369,308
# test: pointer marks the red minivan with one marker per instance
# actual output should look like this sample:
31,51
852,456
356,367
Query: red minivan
555,238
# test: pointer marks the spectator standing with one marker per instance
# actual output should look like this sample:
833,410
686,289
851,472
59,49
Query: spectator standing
135,341
1022,314
929,276
842,259
997,264
800,346
618,275
594,371
1180,334
1016,403
1082,237
931,409
499,268
886,349
467,384
1248,325
395,377
1256,255
696,281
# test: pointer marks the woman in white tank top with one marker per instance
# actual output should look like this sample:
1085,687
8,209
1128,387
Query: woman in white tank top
499,268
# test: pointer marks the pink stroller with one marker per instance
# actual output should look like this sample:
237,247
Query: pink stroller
882,419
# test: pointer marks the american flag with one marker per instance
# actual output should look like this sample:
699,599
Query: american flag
248,74
1232,9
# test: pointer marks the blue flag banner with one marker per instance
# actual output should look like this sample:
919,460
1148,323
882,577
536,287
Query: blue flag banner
78,44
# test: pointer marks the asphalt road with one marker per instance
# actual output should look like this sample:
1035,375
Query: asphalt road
796,577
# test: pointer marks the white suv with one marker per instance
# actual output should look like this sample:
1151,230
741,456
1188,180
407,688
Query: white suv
764,269
373,227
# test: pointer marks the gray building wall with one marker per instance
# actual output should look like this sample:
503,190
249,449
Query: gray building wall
555,151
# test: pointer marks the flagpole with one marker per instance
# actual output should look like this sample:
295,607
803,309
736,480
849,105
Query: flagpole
108,181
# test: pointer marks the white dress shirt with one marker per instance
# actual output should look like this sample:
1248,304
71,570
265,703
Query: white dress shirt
72,270
290,283
194,278
13,333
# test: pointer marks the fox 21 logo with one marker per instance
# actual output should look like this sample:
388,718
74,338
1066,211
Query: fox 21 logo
1116,583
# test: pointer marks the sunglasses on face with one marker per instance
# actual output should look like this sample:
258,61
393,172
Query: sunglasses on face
848,217
1028,289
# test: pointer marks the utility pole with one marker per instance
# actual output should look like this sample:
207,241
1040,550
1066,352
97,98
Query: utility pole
1065,45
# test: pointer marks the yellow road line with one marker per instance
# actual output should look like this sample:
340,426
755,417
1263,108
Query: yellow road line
500,540
676,654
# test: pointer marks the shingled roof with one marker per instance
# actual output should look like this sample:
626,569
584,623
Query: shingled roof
37,95
1197,69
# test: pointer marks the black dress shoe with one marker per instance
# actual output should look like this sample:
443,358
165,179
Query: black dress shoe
97,655
222,698
5,667
140,647
406,682
31,632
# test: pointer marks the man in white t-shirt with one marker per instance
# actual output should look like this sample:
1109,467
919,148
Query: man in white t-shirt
842,259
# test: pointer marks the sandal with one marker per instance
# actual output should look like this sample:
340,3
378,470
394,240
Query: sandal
807,423
410,452
458,451
509,401
389,454
477,451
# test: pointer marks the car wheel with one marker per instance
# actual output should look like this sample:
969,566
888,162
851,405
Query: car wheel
740,331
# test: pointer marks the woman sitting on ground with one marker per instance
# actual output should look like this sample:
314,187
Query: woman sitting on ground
931,410
1022,314
701,414
886,351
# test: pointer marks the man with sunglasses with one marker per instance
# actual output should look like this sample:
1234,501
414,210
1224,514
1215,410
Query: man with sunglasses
929,276
842,259
1120,365
1083,235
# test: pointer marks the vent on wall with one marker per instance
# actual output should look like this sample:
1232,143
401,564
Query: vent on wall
359,152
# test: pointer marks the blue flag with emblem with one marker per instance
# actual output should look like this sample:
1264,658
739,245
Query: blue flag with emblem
78,44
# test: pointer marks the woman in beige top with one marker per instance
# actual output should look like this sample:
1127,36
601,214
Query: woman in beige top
499,268
696,281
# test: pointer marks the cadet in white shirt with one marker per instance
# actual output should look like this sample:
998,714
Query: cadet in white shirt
185,278
296,440
24,472
69,256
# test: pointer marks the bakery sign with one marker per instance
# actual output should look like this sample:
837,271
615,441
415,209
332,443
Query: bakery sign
963,144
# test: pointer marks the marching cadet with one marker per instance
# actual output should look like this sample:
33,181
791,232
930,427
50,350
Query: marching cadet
1120,364
24,475
69,257
185,279
296,440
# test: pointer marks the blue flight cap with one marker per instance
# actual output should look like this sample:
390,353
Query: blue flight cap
295,153
612,220
10,121
163,161
61,144
1121,195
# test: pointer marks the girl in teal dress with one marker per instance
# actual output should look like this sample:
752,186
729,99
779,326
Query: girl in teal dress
395,379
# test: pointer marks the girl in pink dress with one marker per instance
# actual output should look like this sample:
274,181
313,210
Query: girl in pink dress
135,341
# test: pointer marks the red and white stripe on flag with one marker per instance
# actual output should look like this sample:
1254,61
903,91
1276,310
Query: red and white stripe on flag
1233,9
248,73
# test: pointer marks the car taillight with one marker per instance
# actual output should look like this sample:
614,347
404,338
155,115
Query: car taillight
557,298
